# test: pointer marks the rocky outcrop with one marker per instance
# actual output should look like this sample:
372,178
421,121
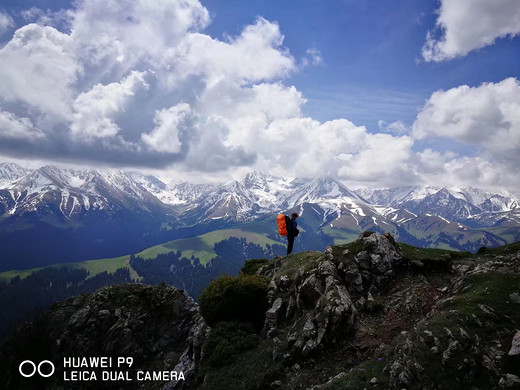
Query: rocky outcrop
159,327
368,314
430,319
315,300
466,336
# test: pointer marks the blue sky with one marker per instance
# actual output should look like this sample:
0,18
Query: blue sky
371,52
374,93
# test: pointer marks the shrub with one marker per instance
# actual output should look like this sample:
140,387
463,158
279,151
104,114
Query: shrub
376,305
253,265
226,341
240,298
236,358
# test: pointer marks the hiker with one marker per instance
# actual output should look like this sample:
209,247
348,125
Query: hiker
292,231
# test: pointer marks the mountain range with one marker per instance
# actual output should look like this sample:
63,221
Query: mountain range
104,213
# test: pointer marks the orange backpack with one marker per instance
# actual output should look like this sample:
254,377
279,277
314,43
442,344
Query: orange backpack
282,226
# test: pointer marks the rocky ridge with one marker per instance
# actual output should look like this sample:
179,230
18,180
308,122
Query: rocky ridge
314,304
158,326
372,314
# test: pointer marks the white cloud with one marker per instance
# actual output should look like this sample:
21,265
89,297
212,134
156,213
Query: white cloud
37,68
13,127
138,31
118,75
466,25
487,117
314,57
447,169
382,158
255,55
94,110
304,147
397,127
431,162
169,122
137,82
6,22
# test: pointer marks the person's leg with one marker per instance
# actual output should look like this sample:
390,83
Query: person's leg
290,243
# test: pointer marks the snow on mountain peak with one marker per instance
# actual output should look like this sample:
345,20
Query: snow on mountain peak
10,172
258,193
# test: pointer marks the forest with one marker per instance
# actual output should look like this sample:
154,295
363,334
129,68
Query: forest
23,298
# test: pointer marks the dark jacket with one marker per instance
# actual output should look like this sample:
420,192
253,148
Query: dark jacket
292,227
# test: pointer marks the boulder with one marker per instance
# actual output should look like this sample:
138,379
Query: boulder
318,302
158,326
515,345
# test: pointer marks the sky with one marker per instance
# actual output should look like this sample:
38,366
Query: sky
374,93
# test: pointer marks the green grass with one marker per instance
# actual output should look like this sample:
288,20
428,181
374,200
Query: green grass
186,246
340,236
251,266
165,226
414,253
465,311
8,275
509,248
93,267
464,318
292,264
200,247
491,289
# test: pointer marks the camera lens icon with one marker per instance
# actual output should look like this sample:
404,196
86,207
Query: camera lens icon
28,368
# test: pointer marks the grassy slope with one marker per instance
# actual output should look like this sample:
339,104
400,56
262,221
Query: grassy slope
200,247
340,236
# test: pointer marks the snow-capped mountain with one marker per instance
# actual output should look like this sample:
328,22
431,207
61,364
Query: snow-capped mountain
11,172
318,190
230,201
113,207
76,192
270,191
180,194
456,204
53,215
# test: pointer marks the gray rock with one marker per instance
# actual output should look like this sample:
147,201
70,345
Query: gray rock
291,308
328,253
146,323
453,347
309,291
509,380
309,330
515,345
276,350
515,297
318,305
354,280
363,260
327,268
360,303
271,317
